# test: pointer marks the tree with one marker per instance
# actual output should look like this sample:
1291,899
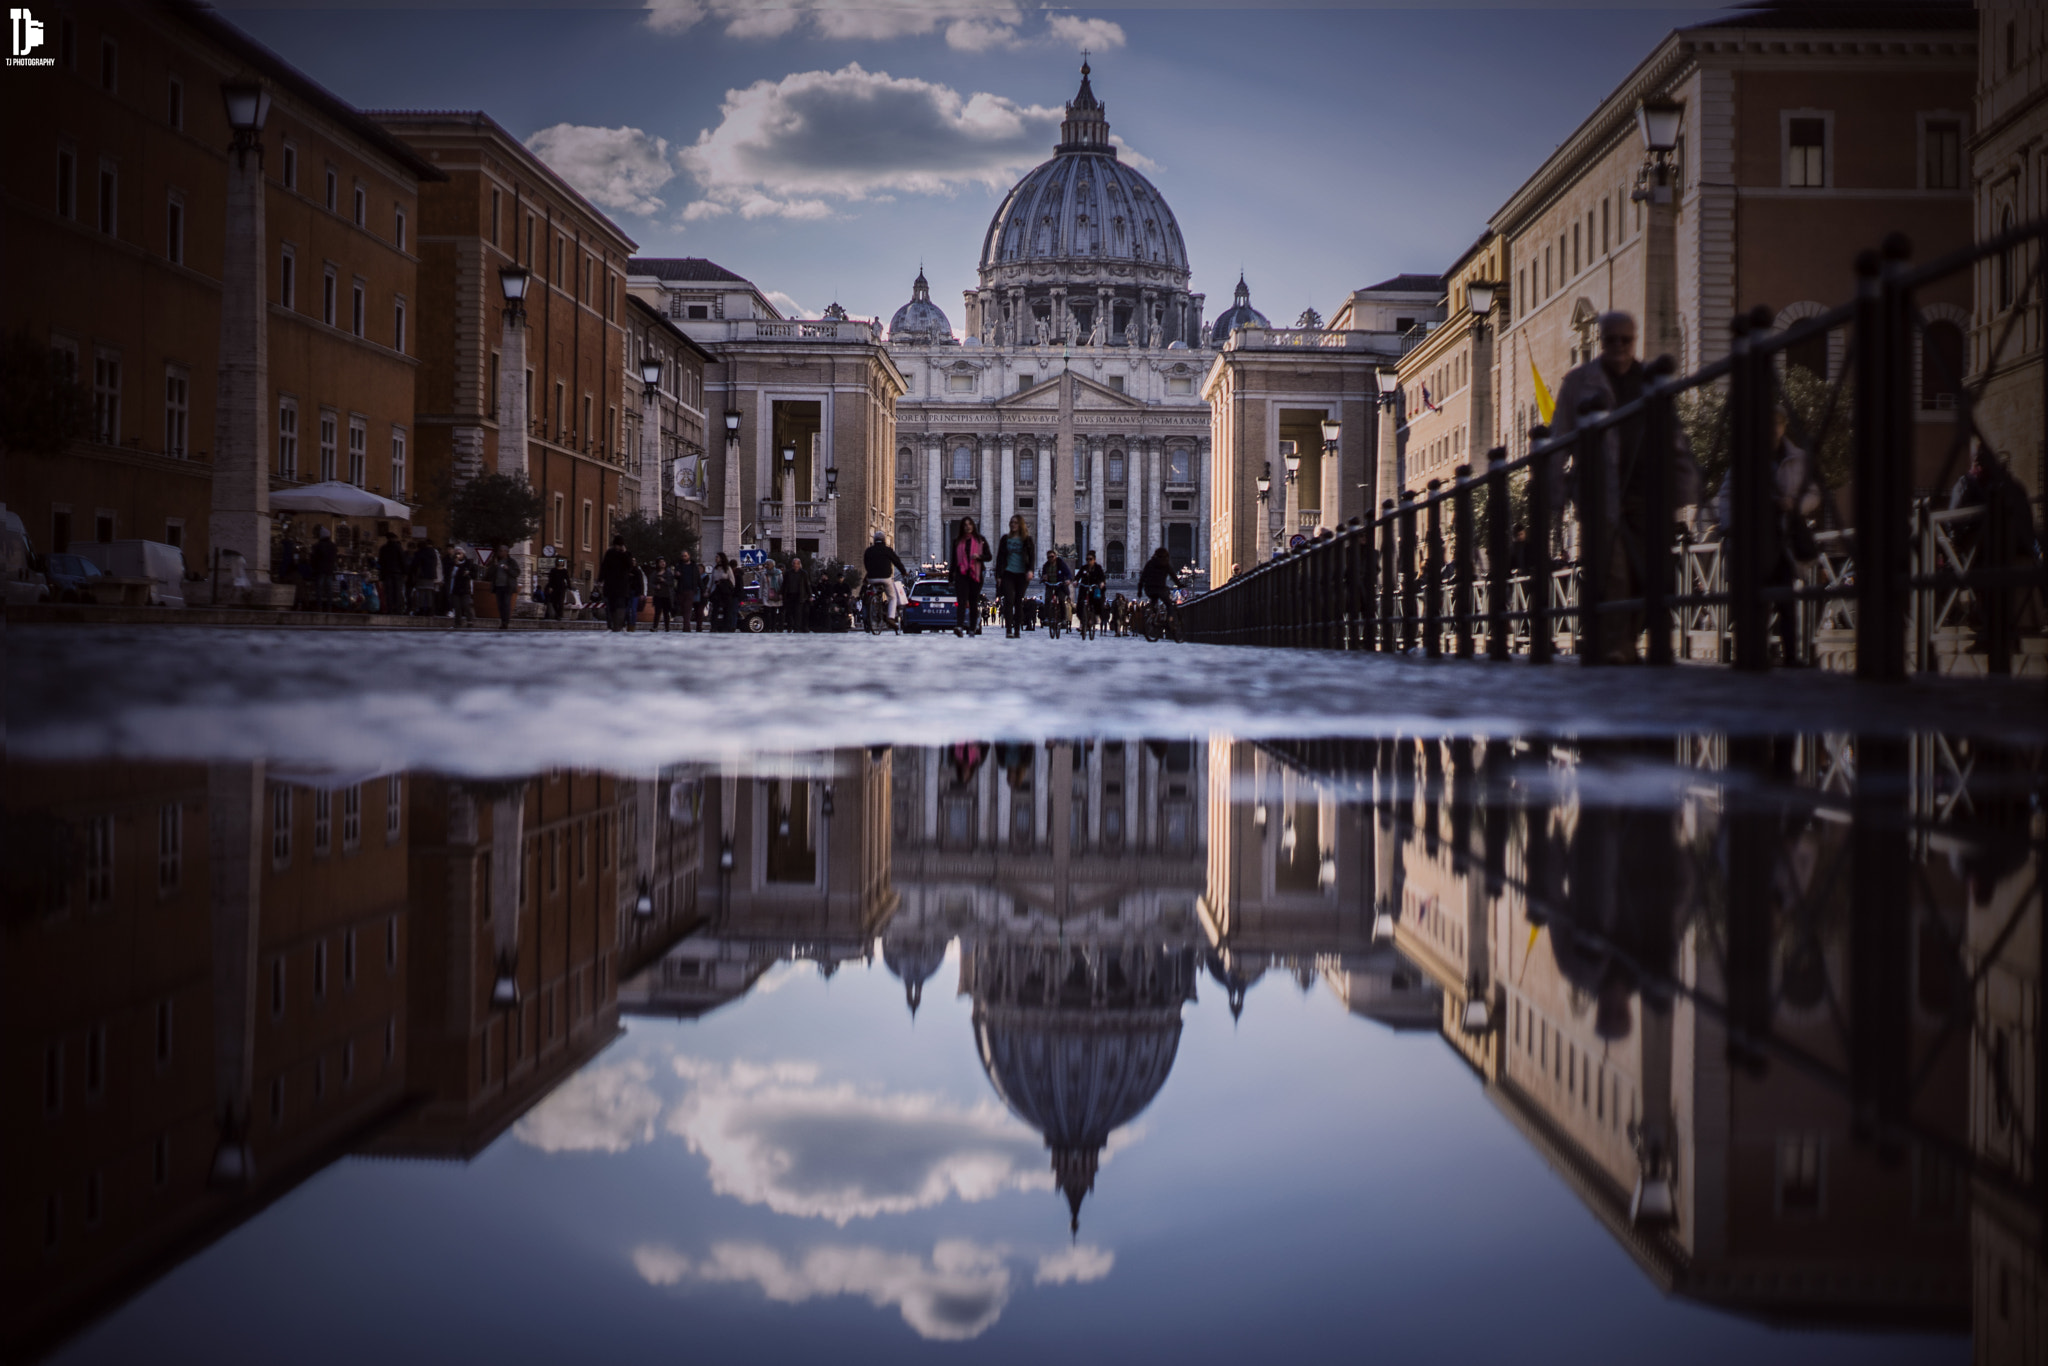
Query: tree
1817,420
665,537
494,509
43,407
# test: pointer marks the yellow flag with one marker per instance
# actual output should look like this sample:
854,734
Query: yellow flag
1545,404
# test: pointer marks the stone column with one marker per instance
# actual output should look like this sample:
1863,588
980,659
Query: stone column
934,523
1069,462
651,501
236,823
1007,461
1660,335
991,507
239,520
1098,475
1041,485
1061,324
729,533
1153,535
1146,298
1204,478
512,414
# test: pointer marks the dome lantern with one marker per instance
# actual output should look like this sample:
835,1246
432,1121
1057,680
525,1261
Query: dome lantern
1086,126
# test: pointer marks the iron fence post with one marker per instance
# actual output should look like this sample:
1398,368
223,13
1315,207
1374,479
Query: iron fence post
1596,536
1409,623
1748,414
1660,436
1542,479
1433,577
1461,560
1388,533
1498,641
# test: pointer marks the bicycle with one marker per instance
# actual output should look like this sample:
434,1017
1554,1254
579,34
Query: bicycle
874,608
1055,612
1091,614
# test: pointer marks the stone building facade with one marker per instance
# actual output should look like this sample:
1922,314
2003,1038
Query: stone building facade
121,201
1074,398
562,377
666,429
1443,409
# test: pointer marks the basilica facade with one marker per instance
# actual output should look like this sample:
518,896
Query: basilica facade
1074,396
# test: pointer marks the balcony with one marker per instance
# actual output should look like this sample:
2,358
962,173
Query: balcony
771,512
1308,519
1298,339
822,331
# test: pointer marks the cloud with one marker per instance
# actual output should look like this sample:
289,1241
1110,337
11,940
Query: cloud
614,168
968,25
792,148
1078,1264
954,1296
599,1110
1096,35
788,308
776,1136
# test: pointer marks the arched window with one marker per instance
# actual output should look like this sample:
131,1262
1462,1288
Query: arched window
906,466
963,463
1116,467
1179,466
1115,557
2008,265
1027,468
1941,365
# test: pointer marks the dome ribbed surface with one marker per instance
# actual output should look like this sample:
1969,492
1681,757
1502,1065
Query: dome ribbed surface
1084,206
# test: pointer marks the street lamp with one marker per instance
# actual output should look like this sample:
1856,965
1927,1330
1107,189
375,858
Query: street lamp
831,481
1657,121
1390,387
248,105
1265,481
1293,462
650,374
513,280
1332,431
732,424
1479,297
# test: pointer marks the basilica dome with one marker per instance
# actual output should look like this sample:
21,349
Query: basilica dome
1084,214
1239,314
920,320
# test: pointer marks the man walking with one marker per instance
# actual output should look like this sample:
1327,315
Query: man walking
796,596
391,570
426,580
326,559
619,578
558,590
664,588
688,581
504,577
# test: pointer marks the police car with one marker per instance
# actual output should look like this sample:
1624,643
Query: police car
932,607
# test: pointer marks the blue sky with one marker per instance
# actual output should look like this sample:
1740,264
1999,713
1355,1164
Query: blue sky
825,149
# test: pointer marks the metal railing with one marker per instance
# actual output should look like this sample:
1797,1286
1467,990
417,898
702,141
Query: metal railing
771,511
1910,587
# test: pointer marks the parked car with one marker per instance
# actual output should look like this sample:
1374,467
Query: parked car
70,577
20,568
932,607
144,560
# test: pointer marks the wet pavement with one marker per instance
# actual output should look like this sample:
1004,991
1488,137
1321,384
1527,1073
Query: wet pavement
795,999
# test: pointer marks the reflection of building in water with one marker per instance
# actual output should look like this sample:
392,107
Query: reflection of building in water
515,900
1069,873
1650,966
202,1001
1290,888
793,863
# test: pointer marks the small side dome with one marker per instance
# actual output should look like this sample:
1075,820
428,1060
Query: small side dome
920,320
1240,314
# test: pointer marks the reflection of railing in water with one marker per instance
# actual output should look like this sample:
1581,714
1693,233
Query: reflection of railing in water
1404,580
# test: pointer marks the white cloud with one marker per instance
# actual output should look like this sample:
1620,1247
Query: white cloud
952,1297
793,148
788,308
674,16
600,1109
1078,1264
1096,35
776,1136
614,168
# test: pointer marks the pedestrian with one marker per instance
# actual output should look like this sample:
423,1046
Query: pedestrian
1016,553
616,577
391,569
639,595
504,576
966,563
724,594
2005,534
796,596
689,581
324,561
1610,380
1787,546
664,586
426,579
558,589
461,589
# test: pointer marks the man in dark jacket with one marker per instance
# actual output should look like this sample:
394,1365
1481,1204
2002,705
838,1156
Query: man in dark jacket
689,581
325,560
620,580
391,570
426,580
558,590
796,596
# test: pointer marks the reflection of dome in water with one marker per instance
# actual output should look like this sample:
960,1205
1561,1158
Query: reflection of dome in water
913,961
1077,1041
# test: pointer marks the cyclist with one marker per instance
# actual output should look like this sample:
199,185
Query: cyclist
1093,580
881,564
1056,575
1015,554
1156,582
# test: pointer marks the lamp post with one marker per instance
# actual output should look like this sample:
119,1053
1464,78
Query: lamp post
239,514
1266,498
1332,478
650,435
789,499
1387,464
1290,518
829,546
1480,296
729,528
1659,123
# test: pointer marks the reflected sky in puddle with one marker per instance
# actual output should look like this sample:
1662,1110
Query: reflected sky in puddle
1693,1047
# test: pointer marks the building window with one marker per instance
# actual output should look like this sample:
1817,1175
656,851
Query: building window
1115,557
290,166
323,822
329,287
2007,264
559,510
494,217
1802,1176
67,183
963,464
1180,384
586,524
1179,467
288,438
333,190
1806,152
397,463
1116,382
177,410
700,312
175,110
358,451
319,969
391,944
398,327
1116,467
174,532
359,206
960,384
287,278
110,186
174,229
170,847
106,398
99,860
330,443
1027,468
394,792
583,432
358,298
352,830
1944,154
1941,365
398,229
110,65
